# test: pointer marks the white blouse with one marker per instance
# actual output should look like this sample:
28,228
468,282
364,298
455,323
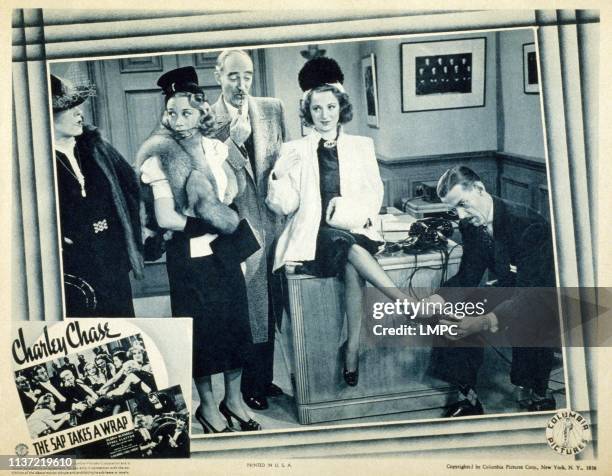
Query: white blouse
153,175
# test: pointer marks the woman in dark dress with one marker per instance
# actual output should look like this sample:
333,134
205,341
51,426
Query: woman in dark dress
329,185
193,188
99,212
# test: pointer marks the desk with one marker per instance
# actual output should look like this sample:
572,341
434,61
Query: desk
391,379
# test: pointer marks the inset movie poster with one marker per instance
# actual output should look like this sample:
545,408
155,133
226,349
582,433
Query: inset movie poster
96,388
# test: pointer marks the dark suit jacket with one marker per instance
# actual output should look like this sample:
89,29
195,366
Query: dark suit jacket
522,239
29,402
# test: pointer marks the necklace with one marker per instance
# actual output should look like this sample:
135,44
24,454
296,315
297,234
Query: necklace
77,174
331,143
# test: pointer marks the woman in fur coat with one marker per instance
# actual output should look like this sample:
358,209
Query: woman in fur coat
193,188
99,212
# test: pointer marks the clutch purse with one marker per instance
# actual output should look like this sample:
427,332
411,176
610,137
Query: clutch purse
238,246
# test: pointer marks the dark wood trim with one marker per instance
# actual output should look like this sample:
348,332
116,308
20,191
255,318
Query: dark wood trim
401,161
534,163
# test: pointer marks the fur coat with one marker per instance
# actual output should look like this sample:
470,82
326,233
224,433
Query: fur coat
183,160
124,189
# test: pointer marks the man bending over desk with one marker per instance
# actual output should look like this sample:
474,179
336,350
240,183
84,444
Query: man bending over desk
514,242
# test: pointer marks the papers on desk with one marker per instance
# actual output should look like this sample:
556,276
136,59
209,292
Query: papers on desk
394,227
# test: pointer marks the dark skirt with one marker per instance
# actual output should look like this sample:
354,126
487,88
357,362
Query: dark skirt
213,293
333,246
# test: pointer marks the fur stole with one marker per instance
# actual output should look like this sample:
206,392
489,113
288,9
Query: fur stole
184,162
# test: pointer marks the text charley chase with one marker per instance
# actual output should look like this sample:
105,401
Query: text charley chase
47,346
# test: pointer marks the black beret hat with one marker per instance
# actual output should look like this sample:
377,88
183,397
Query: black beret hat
319,71
179,80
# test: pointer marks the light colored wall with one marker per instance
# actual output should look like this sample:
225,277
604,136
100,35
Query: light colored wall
429,132
402,135
523,130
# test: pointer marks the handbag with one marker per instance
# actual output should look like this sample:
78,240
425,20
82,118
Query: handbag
236,247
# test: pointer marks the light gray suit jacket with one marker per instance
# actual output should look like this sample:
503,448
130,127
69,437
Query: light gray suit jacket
266,116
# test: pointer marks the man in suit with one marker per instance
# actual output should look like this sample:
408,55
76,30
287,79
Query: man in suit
514,242
80,397
81,365
253,128
28,394
67,365
44,383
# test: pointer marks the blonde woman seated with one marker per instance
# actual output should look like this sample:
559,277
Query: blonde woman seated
329,185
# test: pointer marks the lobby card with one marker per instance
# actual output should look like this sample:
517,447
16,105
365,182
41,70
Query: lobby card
546,442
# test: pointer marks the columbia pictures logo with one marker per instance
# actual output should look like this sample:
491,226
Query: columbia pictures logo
568,432
21,449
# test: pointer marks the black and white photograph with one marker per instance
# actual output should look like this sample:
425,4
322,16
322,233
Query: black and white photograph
368,72
82,400
160,429
84,387
530,66
340,381
305,199
443,74
161,421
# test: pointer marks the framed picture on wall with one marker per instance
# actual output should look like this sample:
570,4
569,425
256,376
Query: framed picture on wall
531,82
370,88
303,127
448,74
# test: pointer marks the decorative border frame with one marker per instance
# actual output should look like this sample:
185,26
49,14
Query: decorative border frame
54,35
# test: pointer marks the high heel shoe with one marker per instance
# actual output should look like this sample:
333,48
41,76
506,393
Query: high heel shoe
250,425
351,378
208,428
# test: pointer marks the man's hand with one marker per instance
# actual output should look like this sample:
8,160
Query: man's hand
428,307
465,327
79,406
240,129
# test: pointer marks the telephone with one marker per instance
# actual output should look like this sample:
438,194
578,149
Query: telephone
429,233
423,235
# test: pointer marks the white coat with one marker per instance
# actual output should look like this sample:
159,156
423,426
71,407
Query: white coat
294,190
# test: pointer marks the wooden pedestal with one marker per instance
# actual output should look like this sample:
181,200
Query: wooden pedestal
392,378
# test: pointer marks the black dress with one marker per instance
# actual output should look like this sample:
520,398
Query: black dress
333,244
212,291
98,253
